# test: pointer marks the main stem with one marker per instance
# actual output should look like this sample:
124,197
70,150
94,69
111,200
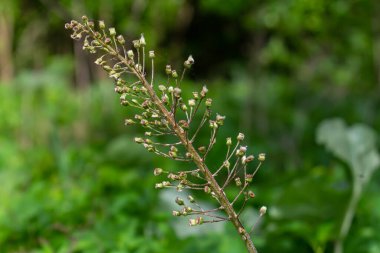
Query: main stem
224,202
220,195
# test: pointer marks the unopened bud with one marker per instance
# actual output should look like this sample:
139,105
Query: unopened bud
238,181
202,149
228,141
130,54
174,74
226,164
220,119
151,54
191,102
261,157
121,39
208,102
142,40
112,31
157,171
136,43
240,137
207,189
263,210
102,25
139,140
190,61
191,199
177,92
179,201
204,91
168,69
176,213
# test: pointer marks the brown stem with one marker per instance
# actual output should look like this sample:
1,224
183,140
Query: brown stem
225,203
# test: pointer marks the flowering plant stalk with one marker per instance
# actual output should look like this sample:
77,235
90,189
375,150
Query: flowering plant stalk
164,112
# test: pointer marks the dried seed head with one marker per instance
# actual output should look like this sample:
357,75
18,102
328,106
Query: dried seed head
251,194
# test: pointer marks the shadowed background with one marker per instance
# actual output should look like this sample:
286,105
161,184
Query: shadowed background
72,180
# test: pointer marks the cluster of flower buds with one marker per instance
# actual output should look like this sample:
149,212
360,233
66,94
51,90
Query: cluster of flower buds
159,108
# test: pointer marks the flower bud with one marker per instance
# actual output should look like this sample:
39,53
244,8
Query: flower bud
166,183
204,91
241,151
191,102
121,39
184,107
177,92
261,157
139,140
228,141
162,87
208,102
238,181
174,74
196,95
157,171
136,43
263,210
142,40
128,122
130,54
191,199
202,149
159,186
207,189
168,69
179,201
101,24
193,222
112,31
226,164
151,54
248,178
220,119
176,213
190,61
240,137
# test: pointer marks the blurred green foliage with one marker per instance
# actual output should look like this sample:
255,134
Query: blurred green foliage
71,180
